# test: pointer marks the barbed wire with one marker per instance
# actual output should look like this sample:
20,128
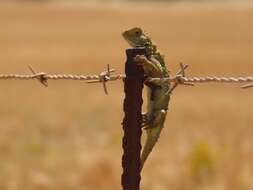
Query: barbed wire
108,75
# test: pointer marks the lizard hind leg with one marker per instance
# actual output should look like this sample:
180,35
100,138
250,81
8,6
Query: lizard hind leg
159,117
156,118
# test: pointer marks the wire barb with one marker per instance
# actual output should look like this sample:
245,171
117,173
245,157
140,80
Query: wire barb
178,77
103,77
247,86
40,76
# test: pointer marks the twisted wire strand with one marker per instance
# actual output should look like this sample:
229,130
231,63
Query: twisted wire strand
218,79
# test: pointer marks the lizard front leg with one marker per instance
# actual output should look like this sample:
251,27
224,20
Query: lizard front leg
152,67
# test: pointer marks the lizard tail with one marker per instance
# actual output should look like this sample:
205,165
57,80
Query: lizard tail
152,137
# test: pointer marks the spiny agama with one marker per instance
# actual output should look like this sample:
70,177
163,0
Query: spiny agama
158,95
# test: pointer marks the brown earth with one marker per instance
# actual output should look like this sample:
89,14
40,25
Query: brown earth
68,136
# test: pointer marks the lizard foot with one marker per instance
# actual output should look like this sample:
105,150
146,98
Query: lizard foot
145,120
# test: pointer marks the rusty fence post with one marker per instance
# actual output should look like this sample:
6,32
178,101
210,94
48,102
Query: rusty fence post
133,86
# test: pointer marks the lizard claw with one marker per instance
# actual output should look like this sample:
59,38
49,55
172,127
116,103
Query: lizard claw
145,121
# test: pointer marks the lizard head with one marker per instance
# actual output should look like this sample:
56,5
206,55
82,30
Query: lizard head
136,37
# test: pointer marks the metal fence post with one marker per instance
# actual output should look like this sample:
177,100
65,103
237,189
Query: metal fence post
133,85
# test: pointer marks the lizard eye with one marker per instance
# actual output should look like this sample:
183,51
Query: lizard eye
137,33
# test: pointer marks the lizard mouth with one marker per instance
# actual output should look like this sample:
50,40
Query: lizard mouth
130,43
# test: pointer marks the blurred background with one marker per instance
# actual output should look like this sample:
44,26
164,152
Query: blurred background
68,136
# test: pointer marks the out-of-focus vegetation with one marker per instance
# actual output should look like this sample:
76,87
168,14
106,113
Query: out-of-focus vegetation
202,162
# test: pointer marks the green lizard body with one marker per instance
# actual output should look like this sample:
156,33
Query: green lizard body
158,96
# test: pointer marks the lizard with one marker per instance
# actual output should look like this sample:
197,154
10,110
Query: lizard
158,94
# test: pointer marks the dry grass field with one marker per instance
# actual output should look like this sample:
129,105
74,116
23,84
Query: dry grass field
68,136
